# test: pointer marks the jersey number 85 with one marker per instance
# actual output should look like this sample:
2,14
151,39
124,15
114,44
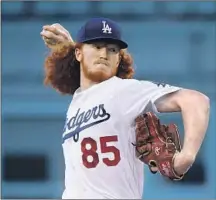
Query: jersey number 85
92,149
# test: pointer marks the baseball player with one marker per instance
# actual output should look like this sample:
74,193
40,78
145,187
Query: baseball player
97,70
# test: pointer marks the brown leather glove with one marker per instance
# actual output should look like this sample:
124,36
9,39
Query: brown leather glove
156,144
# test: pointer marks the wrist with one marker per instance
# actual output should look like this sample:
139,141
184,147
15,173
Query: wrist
189,155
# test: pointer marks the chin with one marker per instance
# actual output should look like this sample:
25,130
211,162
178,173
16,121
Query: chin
100,75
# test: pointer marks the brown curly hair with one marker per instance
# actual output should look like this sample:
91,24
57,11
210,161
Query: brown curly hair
62,70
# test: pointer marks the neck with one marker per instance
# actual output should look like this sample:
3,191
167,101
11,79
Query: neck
85,82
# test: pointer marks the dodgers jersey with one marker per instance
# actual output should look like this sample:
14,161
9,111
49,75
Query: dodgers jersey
100,160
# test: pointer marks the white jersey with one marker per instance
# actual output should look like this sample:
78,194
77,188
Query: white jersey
99,156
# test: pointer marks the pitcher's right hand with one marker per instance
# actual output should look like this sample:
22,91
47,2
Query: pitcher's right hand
56,36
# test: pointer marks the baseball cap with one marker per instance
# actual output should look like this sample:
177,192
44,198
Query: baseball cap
101,29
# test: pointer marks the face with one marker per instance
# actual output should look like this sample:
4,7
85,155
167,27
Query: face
99,61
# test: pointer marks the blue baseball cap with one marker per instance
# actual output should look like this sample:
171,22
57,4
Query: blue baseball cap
101,29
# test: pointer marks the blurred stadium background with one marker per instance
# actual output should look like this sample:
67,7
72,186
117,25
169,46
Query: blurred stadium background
171,42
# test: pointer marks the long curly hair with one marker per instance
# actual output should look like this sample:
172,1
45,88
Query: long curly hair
62,70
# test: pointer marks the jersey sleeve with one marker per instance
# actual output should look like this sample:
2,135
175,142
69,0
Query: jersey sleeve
140,96
159,90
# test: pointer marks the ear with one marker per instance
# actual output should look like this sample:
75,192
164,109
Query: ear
78,54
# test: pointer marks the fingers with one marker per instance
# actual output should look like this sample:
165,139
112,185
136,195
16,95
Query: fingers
51,35
153,170
55,36
59,26
49,42
153,166
63,31
56,29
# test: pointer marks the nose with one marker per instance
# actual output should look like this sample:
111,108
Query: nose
103,53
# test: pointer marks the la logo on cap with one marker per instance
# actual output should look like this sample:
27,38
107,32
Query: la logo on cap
106,28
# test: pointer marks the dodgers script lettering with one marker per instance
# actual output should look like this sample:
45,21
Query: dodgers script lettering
79,121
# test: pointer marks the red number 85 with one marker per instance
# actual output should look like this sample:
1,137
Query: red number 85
92,151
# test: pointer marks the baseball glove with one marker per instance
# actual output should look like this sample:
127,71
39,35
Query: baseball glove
157,144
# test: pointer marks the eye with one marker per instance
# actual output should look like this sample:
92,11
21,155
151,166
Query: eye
97,46
113,49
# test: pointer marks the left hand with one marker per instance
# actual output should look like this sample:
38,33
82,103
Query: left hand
182,162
